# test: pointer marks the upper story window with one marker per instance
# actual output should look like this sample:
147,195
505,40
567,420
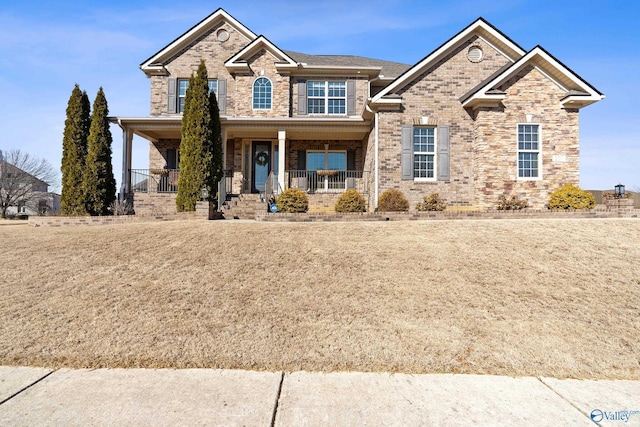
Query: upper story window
424,151
183,84
529,151
262,94
326,97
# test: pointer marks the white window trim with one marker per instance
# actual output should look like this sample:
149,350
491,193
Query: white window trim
253,90
326,157
179,97
326,97
435,154
539,151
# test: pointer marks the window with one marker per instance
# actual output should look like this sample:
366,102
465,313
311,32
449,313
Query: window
326,160
424,148
528,151
326,97
262,94
183,84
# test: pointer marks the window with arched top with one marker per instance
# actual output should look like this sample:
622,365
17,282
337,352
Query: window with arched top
262,94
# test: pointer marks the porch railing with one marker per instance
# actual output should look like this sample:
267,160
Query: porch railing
328,181
154,180
166,181
272,187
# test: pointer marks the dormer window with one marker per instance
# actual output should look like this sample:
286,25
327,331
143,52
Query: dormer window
262,94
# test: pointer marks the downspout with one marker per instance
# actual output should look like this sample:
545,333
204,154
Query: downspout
375,161
375,155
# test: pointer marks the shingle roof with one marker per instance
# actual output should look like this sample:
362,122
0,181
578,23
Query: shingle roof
389,69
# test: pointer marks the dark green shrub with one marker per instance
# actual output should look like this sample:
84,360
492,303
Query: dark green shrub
511,204
571,197
351,201
432,202
292,200
393,200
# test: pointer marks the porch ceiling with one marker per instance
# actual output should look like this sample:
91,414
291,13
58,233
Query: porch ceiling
314,128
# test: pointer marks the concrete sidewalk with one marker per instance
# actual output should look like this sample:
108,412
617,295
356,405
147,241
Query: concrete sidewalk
32,396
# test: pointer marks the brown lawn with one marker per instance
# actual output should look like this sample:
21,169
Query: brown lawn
556,298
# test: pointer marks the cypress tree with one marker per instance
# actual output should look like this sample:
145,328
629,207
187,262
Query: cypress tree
74,152
196,137
99,185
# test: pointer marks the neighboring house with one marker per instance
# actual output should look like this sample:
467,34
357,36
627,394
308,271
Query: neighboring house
35,198
476,118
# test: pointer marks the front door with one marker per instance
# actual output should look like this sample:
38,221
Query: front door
260,165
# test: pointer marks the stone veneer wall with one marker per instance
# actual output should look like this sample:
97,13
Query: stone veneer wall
435,94
154,203
214,53
495,153
158,152
262,65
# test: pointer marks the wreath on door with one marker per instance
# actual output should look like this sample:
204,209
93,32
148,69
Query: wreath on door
262,158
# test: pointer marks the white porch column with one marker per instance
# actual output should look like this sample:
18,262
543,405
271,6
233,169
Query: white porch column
282,150
127,142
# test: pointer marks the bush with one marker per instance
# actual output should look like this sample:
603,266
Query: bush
292,200
393,200
351,201
511,204
571,197
432,202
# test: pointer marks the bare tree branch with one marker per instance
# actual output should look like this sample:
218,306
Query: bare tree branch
23,179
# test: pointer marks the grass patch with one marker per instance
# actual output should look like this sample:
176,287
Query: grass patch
557,298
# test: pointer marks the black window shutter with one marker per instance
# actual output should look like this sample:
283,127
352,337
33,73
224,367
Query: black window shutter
351,160
351,97
172,159
302,160
444,173
302,98
407,152
222,96
172,102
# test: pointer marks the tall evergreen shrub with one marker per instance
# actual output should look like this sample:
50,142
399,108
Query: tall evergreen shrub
195,151
74,152
99,185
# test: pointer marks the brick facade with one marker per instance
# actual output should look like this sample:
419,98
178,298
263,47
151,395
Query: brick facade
436,94
495,153
483,157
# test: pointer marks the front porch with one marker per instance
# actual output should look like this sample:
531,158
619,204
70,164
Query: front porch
263,157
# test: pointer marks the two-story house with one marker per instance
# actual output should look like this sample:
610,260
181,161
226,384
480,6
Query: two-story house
476,118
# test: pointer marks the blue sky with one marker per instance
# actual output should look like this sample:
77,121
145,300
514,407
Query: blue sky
48,46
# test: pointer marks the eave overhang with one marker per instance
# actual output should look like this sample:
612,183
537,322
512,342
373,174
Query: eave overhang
311,128
387,103
481,28
239,63
579,93
154,65
336,70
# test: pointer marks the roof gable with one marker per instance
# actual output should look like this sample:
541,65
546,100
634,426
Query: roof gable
238,62
480,28
579,93
155,63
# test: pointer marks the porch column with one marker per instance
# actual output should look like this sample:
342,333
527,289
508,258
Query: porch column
127,142
282,150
